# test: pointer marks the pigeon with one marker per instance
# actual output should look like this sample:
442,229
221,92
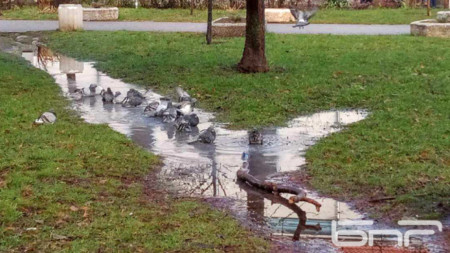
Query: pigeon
184,96
207,136
78,94
134,101
116,95
134,98
46,118
92,88
108,96
169,114
135,93
255,137
302,17
192,119
151,109
182,125
185,107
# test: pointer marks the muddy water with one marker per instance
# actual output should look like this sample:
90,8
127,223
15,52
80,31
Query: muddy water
209,171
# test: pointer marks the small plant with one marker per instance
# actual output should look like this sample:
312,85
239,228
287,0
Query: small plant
340,4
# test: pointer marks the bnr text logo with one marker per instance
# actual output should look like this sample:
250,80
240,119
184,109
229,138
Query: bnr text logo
369,235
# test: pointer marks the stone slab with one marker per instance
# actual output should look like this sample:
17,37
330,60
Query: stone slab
273,15
443,16
100,14
220,29
430,28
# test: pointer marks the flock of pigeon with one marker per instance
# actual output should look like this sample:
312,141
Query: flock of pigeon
180,113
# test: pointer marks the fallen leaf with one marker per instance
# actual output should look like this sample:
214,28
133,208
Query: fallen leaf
74,208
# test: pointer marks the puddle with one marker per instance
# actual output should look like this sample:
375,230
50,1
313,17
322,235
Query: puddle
209,171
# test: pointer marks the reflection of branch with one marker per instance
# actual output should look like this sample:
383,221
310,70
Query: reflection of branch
221,186
270,187
287,203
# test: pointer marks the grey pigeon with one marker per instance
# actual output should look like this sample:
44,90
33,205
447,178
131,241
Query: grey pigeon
78,94
185,107
182,125
116,95
92,88
207,136
135,101
303,16
151,109
46,118
169,114
184,96
108,96
135,93
192,119
134,98
255,137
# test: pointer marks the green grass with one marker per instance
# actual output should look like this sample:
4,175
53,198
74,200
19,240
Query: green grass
372,16
400,150
324,16
86,183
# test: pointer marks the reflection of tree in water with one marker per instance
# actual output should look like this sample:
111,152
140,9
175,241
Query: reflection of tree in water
260,166
251,191
45,56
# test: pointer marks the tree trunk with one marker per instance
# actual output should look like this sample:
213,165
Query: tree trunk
192,7
254,57
209,27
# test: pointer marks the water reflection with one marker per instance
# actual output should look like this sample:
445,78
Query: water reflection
210,170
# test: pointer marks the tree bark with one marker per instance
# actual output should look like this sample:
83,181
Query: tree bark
254,57
209,27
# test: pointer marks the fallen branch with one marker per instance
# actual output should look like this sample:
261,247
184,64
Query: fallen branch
282,201
299,194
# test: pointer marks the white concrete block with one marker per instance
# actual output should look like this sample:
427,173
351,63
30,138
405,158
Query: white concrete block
70,17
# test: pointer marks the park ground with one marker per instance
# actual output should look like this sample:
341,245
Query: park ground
324,16
78,187
78,183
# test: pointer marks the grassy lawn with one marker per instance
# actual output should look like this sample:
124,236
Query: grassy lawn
325,16
372,16
400,150
78,187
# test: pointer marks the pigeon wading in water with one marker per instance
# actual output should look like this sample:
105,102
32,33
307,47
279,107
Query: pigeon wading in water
169,114
134,98
208,136
303,16
182,125
46,118
93,89
108,96
78,94
255,137
151,109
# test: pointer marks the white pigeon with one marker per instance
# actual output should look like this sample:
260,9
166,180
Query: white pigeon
303,17
46,118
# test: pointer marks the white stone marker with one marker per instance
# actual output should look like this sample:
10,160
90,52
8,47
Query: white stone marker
70,17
